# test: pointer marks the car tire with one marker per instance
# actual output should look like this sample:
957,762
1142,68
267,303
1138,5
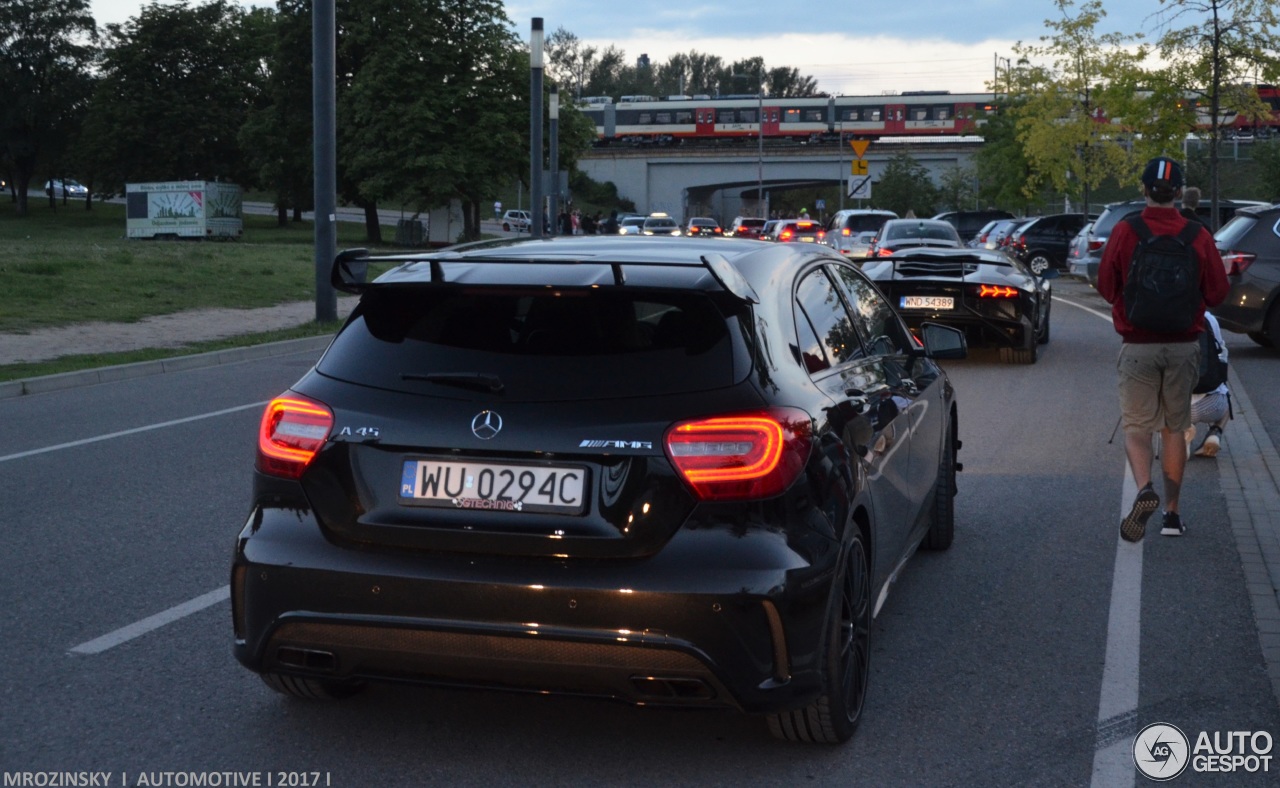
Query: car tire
1015,355
506,227
833,717
1261,339
310,689
1039,263
1273,325
943,528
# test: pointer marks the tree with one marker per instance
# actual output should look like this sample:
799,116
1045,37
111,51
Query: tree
434,110
957,192
569,61
905,187
177,86
1071,113
785,82
1266,157
1215,56
1002,168
46,47
277,137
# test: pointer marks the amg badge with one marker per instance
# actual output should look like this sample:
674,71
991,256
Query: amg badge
615,445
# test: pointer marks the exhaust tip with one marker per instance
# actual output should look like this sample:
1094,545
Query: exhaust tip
307,658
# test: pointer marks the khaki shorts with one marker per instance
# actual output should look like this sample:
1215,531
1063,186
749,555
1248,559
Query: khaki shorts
1155,385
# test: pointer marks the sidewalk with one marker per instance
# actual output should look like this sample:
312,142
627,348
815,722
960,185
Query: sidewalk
163,331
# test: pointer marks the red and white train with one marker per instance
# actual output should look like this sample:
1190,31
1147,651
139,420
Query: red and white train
649,120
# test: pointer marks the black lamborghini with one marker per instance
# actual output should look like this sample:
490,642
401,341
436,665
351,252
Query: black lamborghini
991,296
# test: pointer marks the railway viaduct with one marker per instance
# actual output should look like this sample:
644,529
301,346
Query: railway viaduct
729,181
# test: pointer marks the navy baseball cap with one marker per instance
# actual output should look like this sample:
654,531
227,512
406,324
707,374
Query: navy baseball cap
1162,171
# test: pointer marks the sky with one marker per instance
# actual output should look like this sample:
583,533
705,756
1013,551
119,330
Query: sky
862,47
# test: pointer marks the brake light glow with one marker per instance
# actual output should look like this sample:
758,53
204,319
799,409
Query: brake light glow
743,456
846,232
1236,263
292,431
997,291
785,235
1096,244
883,252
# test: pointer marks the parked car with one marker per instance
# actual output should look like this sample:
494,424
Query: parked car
600,472
519,221
1250,248
998,236
906,233
1086,267
700,226
993,297
745,227
968,223
769,231
844,226
860,246
798,231
1079,245
70,189
1042,243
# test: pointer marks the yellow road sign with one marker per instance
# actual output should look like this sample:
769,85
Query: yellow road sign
859,148
859,167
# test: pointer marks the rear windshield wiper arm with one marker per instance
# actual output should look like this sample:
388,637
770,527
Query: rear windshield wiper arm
466,380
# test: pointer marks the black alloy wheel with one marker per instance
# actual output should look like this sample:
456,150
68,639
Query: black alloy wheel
833,717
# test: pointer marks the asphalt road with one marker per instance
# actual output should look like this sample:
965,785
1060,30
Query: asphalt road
1030,653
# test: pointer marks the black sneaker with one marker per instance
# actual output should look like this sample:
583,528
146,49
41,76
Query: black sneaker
1173,525
1134,526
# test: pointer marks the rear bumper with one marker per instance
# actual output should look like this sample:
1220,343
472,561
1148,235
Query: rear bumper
717,618
1246,306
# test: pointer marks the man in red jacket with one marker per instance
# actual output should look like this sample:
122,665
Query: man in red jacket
1157,371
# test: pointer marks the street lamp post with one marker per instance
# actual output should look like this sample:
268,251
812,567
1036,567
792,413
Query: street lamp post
760,149
554,113
535,129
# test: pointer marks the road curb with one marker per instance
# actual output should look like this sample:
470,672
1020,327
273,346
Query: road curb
1250,482
88,377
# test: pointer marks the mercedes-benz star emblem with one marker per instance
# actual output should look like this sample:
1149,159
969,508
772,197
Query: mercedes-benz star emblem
486,424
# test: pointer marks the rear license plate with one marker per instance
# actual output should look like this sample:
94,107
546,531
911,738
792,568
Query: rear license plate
551,489
928,302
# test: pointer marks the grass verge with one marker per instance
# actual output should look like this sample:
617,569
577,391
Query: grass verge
96,360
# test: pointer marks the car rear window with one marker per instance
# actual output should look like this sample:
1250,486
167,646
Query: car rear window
1234,231
859,223
1111,216
541,344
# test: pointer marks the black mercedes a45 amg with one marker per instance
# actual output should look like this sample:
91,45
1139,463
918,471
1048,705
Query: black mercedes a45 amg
638,469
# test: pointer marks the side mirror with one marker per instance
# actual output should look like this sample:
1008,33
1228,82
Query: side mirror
943,342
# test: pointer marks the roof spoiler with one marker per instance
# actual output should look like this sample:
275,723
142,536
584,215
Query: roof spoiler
351,268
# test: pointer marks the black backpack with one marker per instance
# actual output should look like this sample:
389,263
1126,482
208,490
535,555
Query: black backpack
1162,290
1213,370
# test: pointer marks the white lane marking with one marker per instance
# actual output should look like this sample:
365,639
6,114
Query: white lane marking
134,431
1104,315
1118,697
139,628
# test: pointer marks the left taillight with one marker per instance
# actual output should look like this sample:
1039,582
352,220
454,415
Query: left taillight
741,456
292,431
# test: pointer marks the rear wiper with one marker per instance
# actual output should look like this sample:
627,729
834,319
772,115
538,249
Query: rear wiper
466,380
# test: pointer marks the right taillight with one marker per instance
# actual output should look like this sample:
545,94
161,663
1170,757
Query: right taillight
1096,244
292,431
741,456
1235,263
